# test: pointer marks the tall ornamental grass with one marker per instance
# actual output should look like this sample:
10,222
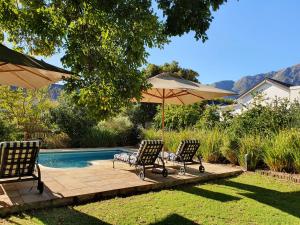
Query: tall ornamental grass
230,148
252,146
211,142
282,151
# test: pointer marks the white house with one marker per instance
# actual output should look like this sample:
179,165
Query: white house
269,89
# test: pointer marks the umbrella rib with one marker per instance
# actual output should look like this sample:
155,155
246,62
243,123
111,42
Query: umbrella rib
181,93
151,94
6,71
24,81
35,73
195,95
177,97
159,93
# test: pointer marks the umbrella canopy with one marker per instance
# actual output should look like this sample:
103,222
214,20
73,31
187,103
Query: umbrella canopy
168,89
21,70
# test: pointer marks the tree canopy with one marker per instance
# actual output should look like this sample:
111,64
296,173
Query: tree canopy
104,42
174,68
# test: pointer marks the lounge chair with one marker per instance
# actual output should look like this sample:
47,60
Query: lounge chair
18,161
185,153
147,155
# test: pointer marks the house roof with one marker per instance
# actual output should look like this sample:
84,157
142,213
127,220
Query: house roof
280,83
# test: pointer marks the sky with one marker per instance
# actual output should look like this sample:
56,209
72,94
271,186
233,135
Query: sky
246,37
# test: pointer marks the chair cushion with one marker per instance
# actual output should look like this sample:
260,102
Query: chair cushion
125,157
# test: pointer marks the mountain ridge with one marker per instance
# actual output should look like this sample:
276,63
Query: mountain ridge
290,75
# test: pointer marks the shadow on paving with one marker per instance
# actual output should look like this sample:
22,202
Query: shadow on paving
63,216
175,219
288,202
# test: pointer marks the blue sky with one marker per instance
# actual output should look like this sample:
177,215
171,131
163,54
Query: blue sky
245,38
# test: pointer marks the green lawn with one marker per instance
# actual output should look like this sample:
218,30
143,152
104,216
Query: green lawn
247,199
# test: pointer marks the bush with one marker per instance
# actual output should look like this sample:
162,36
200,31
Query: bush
281,151
253,146
211,142
178,116
172,138
210,118
230,148
60,140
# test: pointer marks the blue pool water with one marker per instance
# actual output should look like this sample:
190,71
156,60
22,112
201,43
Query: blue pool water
74,159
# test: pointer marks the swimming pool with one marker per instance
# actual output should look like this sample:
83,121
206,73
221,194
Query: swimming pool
73,159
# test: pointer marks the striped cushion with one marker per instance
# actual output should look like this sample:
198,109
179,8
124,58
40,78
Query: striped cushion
126,156
18,158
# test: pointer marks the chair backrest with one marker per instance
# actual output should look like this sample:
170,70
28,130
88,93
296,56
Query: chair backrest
18,158
148,152
187,149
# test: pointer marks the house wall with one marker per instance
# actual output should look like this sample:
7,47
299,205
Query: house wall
268,90
295,93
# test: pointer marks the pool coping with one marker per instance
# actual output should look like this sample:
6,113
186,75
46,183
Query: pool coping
57,150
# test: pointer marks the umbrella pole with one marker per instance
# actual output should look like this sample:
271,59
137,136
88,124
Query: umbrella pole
163,122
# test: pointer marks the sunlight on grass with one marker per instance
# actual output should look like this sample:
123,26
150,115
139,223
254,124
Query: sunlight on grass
247,199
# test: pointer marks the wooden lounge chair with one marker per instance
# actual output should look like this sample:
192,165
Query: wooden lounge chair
185,153
18,161
147,155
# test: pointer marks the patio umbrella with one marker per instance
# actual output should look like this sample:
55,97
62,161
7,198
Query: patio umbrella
17,69
167,89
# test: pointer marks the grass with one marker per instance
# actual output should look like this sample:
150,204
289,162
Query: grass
247,199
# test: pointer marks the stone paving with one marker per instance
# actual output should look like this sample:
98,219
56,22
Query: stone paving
99,181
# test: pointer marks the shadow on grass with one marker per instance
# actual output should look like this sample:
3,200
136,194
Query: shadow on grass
288,202
63,216
174,219
218,196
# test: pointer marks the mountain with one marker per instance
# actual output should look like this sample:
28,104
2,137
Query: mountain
55,90
290,75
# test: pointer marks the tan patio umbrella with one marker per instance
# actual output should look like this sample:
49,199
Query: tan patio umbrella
167,89
17,69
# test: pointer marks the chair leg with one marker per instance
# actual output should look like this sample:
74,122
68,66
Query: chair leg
40,186
113,163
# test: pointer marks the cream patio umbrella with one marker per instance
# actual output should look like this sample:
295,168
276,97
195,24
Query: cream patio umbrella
17,69
167,89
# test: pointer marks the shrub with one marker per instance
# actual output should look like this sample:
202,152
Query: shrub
210,118
172,138
60,140
253,146
280,151
178,116
211,142
230,148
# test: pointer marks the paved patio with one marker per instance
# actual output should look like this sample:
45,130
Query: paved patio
99,181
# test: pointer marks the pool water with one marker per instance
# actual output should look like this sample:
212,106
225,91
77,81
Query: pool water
74,159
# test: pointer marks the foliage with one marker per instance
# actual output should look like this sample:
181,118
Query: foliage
27,110
71,119
281,150
252,146
6,130
266,119
141,113
173,68
211,142
210,118
230,148
103,44
178,116
57,140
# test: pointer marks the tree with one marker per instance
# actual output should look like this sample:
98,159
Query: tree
174,68
27,110
104,42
